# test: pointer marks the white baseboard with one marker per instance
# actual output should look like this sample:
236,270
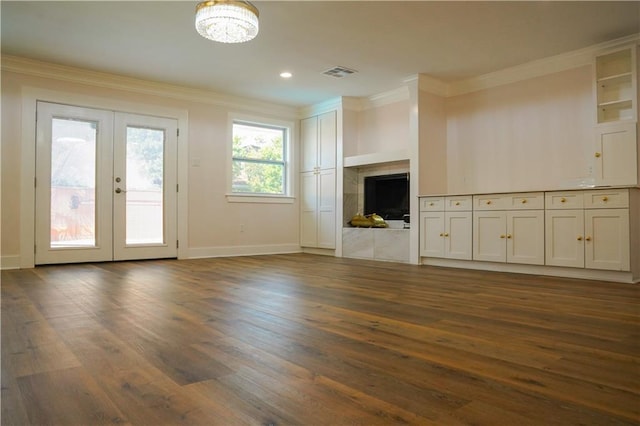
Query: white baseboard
554,271
10,262
229,251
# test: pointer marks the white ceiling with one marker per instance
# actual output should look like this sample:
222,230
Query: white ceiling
385,41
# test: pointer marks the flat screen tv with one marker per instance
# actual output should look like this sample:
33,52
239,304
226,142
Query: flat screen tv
387,195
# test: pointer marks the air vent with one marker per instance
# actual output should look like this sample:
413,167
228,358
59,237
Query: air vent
339,72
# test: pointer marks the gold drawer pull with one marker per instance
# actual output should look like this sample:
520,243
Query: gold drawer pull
563,200
598,155
524,201
457,203
489,202
509,236
588,238
431,204
579,238
441,234
502,236
446,234
605,199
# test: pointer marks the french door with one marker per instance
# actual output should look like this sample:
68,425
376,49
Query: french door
106,185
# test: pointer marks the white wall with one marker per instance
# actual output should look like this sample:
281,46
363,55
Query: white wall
213,222
383,128
535,134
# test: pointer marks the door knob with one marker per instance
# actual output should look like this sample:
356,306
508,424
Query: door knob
118,179
118,190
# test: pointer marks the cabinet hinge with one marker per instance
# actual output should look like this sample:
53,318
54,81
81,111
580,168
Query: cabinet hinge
35,182
177,243
177,187
177,132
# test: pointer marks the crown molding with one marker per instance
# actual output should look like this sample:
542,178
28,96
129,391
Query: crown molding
320,108
400,94
537,68
429,84
48,70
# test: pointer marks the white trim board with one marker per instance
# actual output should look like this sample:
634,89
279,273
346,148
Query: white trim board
552,271
231,251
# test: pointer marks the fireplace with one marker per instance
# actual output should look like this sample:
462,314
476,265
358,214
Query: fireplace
387,195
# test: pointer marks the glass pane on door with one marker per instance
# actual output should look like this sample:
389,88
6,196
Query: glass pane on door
73,183
144,186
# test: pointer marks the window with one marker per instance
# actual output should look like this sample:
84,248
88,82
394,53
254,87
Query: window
259,159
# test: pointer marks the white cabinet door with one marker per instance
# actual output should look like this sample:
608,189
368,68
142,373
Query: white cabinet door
326,156
525,237
432,234
607,239
308,144
318,181
457,241
616,157
308,209
327,208
564,238
489,234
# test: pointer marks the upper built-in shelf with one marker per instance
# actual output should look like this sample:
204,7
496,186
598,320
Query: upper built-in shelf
616,85
376,158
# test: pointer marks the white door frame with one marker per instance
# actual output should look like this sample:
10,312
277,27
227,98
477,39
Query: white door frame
30,96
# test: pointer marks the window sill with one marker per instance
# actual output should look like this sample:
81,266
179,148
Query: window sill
263,199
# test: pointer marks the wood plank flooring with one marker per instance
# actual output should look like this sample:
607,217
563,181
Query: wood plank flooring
311,340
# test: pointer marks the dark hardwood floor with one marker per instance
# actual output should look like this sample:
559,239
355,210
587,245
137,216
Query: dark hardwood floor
312,340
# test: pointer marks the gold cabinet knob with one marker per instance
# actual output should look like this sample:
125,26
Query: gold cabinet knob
502,236
441,234
563,200
431,204
605,199
489,202
588,238
446,234
598,155
524,201
579,238
457,203
508,235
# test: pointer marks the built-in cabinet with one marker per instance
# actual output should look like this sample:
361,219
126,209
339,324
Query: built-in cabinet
509,228
445,227
615,151
597,229
318,181
588,229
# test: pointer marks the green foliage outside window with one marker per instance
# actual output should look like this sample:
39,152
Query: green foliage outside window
258,159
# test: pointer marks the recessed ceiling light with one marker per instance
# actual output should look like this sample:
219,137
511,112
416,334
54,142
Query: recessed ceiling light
286,74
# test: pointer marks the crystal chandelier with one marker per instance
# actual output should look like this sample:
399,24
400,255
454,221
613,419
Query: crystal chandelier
227,21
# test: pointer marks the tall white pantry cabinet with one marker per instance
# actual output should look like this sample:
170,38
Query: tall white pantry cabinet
318,181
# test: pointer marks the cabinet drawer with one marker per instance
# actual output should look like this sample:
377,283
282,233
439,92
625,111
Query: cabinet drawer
563,200
458,203
602,198
432,204
524,201
489,202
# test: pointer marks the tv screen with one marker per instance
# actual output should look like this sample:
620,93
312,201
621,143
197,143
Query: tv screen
387,195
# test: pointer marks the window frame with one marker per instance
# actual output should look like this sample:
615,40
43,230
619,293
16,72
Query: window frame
256,197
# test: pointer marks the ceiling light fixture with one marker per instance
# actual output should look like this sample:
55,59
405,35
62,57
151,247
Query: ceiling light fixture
286,74
227,21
